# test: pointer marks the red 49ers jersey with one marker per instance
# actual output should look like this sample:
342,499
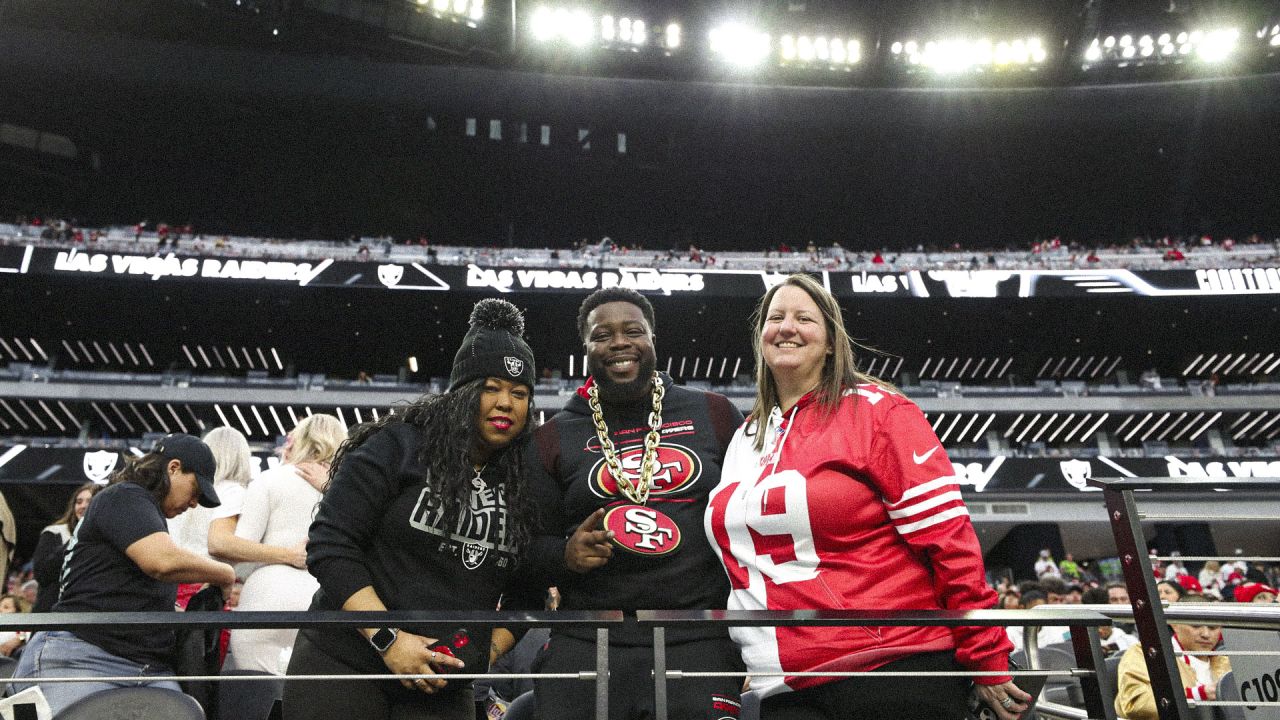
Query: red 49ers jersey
856,510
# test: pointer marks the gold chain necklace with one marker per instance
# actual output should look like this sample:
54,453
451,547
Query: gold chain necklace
649,465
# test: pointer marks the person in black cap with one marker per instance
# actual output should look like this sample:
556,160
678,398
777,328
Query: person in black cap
121,558
425,509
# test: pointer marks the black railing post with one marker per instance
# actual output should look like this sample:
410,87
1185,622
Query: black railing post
1148,615
1088,647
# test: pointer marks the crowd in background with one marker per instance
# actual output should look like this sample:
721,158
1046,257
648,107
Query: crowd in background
1139,252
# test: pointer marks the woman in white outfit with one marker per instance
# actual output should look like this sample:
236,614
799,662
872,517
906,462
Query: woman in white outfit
278,508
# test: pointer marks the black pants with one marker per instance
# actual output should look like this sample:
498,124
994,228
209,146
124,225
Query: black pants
891,698
363,699
631,681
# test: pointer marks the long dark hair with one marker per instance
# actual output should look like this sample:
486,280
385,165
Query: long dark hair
69,517
149,471
448,427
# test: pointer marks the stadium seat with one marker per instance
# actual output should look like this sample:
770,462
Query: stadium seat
1110,677
1227,690
1063,690
521,708
133,703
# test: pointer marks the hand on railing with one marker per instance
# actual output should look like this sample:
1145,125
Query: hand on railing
589,547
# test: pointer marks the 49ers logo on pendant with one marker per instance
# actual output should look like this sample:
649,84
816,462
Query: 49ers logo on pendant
642,530
678,468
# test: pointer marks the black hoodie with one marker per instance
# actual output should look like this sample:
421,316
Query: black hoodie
569,477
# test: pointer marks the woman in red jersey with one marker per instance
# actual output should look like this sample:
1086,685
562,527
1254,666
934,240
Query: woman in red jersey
836,494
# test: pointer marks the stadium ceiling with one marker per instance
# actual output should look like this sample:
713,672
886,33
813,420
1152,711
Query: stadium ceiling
821,43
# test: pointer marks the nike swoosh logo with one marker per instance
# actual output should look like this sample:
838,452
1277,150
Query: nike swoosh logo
921,458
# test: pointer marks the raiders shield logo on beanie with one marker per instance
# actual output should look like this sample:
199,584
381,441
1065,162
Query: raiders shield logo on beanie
493,346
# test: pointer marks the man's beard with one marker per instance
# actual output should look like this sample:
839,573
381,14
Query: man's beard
623,392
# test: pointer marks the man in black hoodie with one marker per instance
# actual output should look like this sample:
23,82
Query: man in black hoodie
623,473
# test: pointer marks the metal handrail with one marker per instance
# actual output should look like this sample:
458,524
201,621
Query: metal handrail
245,620
1085,641
1148,613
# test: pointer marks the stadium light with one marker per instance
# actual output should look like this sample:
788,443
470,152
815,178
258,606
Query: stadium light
819,51
470,12
1210,46
580,29
957,55
1218,44
740,45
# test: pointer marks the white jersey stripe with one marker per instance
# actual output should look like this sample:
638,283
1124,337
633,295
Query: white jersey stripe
925,488
932,520
924,505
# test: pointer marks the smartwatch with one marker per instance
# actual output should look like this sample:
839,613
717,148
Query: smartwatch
383,639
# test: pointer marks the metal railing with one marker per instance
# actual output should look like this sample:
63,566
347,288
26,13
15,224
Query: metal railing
260,620
1085,642
1150,616
1088,651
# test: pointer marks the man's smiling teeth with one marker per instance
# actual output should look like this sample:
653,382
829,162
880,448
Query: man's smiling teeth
615,363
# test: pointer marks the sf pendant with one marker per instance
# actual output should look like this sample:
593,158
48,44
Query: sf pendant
642,530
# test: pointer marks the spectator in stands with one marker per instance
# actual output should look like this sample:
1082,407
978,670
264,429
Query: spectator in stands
235,471
843,473
8,540
1211,578
123,559
1200,675
1175,567
1188,584
1069,568
1046,567
1056,591
190,530
1253,592
12,640
277,511
1257,572
426,510
1114,638
1169,591
1017,633
1117,593
46,561
625,401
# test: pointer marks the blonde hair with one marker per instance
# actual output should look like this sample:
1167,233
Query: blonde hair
839,371
315,439
231,453
20,603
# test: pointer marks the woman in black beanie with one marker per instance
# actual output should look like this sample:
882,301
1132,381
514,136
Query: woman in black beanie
425,510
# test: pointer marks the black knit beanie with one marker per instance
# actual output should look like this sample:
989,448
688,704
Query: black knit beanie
493,346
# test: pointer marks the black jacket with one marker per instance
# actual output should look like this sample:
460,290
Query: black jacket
379,524
568,475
